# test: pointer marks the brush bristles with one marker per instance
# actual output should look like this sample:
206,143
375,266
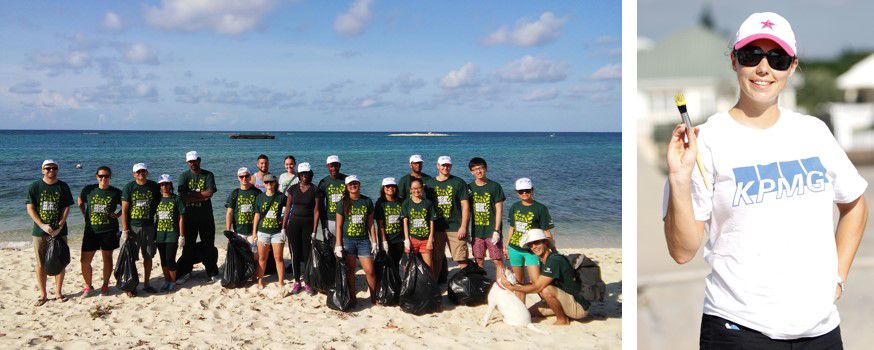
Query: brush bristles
678,98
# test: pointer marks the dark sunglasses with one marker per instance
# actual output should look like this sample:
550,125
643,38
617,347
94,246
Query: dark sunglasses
523,191
51,168
750,56
244,176
103,176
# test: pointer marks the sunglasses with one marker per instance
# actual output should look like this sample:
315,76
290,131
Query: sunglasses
523,191
51,168
244,176
750,56
103,176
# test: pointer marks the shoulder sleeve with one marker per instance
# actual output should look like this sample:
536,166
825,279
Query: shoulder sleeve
32,194
510,214
464,191
499,193
125,193
545,218
552,267
180,205
378,210
83,195
182,188
210,182
848,184
66,196
231,202
432,211
116,196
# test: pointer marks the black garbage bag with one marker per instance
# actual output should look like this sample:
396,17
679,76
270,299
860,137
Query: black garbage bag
126,276
419,291
340,297
470,286
443,272
57,256
388,280
239,262
321,265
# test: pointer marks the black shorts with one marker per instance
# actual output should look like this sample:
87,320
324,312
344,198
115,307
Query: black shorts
718,333
99,241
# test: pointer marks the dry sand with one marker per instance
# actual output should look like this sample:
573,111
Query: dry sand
671,297
202,315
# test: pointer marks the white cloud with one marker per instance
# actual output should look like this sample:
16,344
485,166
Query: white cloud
464,76
528,33
533,70
609,72
112,22
355,19
139,53
367,103
52,100
540,95
220,16
56,63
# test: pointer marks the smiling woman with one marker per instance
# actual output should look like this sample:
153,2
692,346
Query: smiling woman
775,175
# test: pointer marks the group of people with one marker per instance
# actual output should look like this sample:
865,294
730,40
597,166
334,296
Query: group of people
417,214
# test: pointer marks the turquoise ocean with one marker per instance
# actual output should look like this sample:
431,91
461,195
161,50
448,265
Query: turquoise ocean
577,176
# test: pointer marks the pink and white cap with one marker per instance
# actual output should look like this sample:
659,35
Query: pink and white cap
766,25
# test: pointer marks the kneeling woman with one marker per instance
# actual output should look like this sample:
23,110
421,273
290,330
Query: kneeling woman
358,238
170,228
267,226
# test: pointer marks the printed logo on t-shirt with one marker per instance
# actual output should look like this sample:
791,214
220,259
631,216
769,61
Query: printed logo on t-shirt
444,203
482,208
48,206
419,225
356,226
392,219
271,215
778,180
165,216
523,221
334,195
196,185
245,214
142,199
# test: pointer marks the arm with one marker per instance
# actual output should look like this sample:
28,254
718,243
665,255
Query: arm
851,226
182,225
431,235
34,215
81,205
499,213
339,236
372,228
125,216
285,212
682,232
465,218
255,220
229,219
316,213
539,284
381,223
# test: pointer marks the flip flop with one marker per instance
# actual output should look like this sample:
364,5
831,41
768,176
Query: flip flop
40,302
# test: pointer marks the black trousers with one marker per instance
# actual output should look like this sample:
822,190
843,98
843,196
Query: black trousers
299,245
718,333
201,226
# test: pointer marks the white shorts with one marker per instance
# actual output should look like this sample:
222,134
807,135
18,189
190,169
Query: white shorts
271,238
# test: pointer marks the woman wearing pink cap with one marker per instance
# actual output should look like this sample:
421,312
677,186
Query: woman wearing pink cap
778,266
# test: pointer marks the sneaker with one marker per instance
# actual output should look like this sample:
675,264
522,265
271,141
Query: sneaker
295,288
104,290
86,291
309,290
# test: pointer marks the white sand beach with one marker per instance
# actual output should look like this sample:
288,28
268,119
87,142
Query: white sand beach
202,315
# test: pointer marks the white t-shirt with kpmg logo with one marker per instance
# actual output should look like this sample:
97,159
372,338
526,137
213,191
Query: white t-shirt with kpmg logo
768,218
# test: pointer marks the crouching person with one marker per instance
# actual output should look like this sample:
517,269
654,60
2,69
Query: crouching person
556,285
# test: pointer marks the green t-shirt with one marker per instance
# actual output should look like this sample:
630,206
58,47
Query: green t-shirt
483,199
142,201
167,218
559,268
355,225
447,196
333,191
49,201
523,218
191,182
390,214
270,208
99,204
404,185
242,202
419,215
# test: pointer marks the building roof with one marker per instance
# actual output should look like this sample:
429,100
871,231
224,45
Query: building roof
859,76
696,52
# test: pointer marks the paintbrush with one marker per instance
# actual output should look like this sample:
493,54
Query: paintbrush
681,105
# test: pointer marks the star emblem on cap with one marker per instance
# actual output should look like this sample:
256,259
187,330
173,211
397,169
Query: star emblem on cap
768,24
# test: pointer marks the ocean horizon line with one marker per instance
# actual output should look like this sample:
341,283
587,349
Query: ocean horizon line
320,131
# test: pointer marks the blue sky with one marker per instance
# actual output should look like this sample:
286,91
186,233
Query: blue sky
311,65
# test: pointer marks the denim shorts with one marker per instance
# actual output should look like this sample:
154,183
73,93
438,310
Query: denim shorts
271,238
358,247
520,257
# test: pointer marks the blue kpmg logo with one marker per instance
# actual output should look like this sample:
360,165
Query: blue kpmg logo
784,179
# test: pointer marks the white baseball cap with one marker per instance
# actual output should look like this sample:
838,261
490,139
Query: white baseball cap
389,181
140,166
444,160
533,235
352,178
416,158
303,167
191,156
766,25
164,178
243,171
47,162
524,184
332,159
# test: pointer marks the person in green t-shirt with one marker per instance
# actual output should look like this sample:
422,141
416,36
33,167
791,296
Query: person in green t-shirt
523,216
419,216
557,285
196,188
416,164
241,206
170,223
267,227
487,209
332,187
388,218
449,194
48,205
358,234
139,202
100,206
